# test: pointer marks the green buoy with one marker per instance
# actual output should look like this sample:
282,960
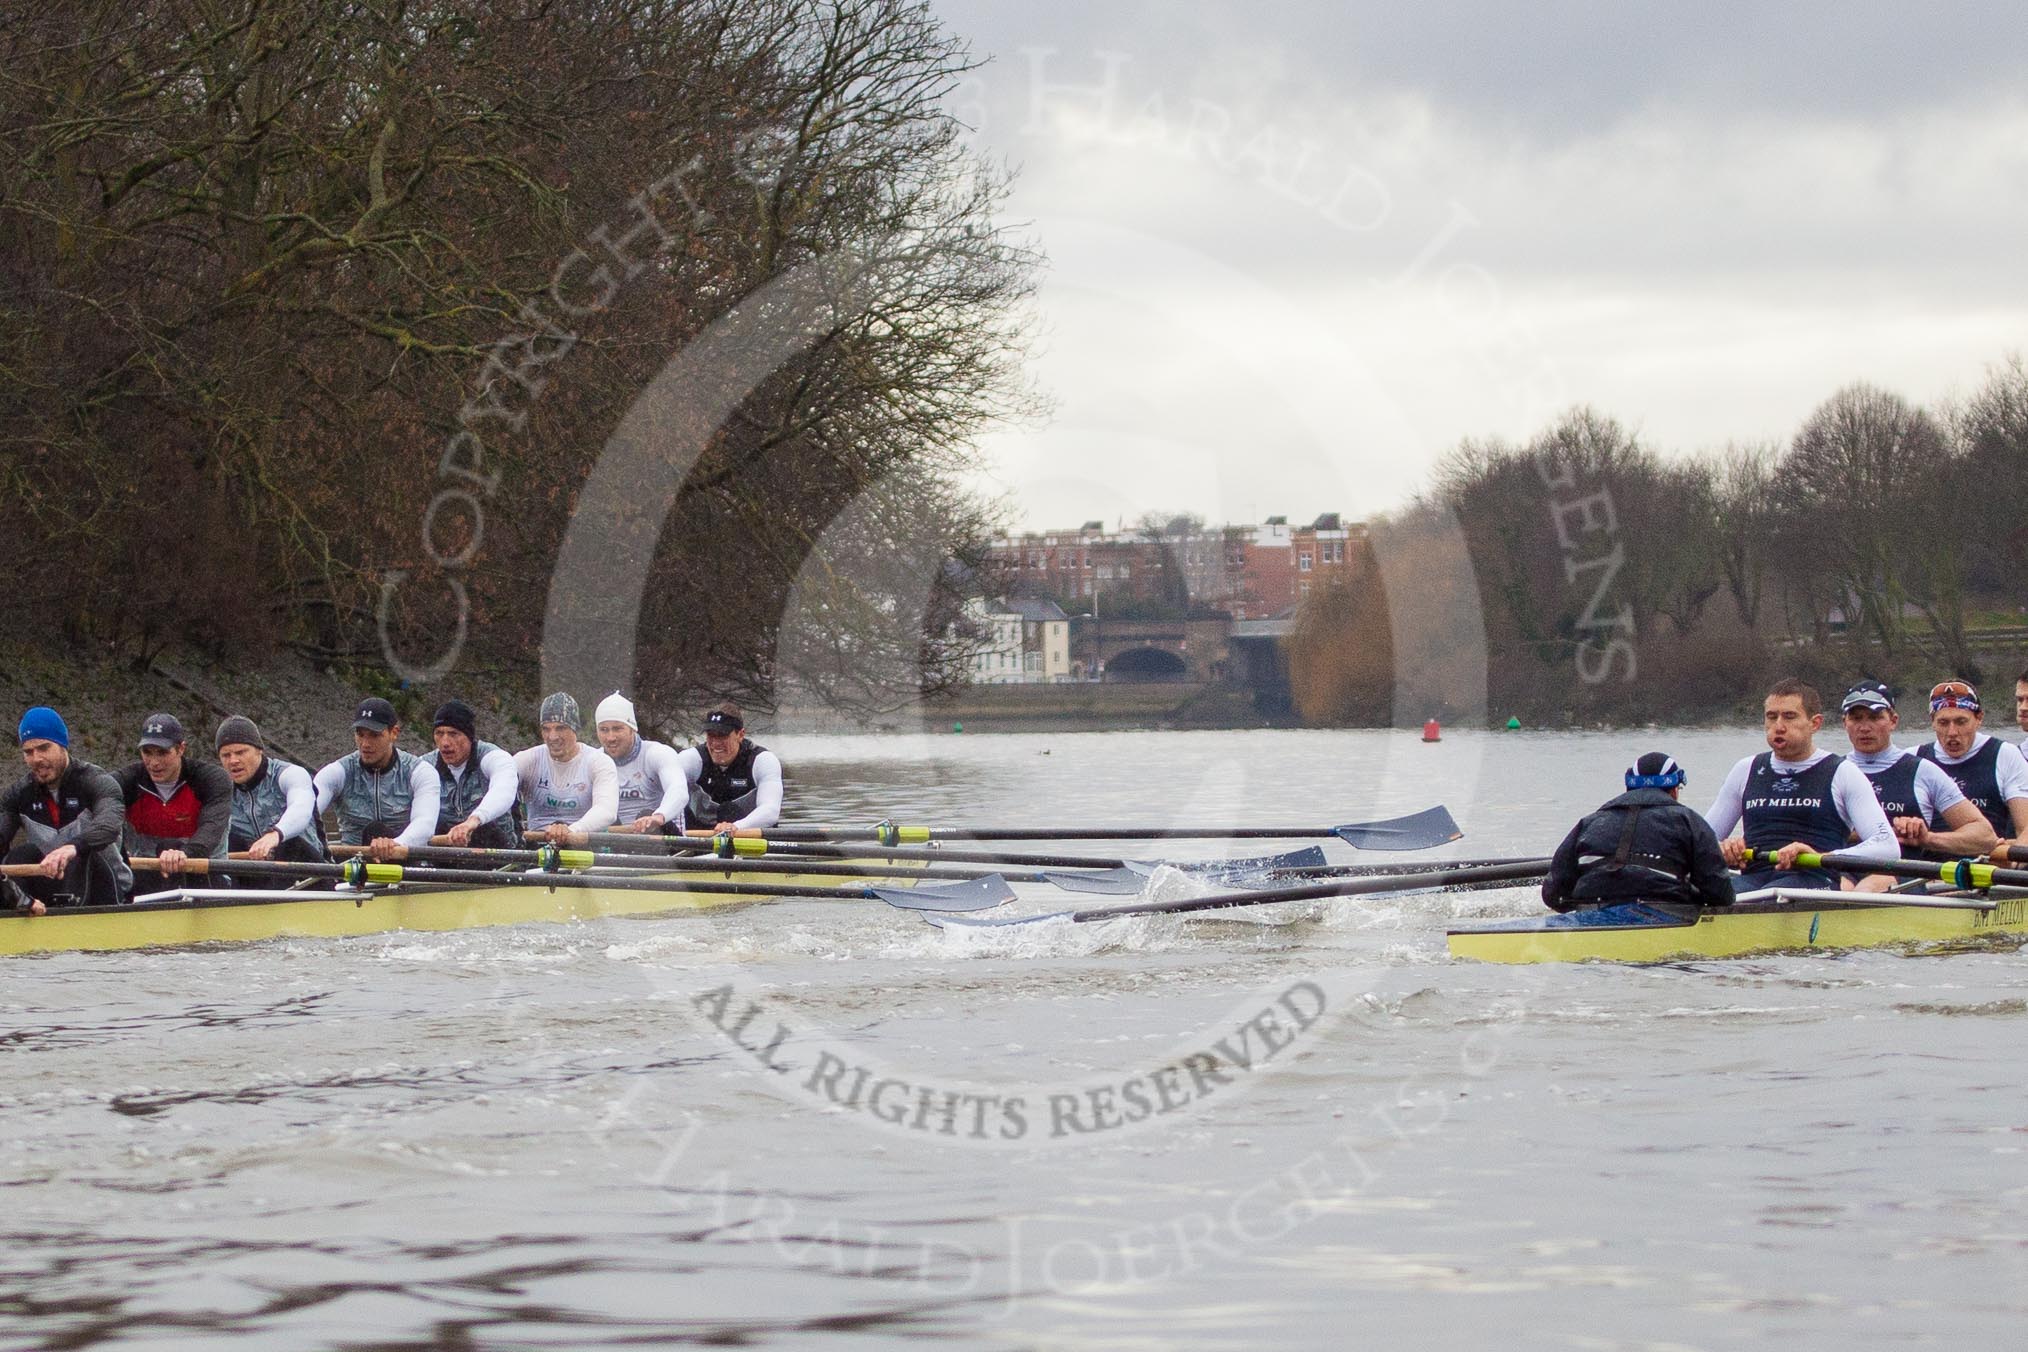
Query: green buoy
957,727
1513,723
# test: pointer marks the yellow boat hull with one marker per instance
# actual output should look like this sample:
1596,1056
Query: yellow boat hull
1640,933
220,917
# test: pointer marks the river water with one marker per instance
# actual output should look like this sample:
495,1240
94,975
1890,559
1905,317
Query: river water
540,1138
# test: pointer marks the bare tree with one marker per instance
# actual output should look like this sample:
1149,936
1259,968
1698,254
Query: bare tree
263,262
1857,475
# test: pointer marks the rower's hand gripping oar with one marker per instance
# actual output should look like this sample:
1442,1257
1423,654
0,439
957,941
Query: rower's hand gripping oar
1968,874
1349,887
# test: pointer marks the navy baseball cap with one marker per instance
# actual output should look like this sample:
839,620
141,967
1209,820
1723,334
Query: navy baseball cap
162,731
376,715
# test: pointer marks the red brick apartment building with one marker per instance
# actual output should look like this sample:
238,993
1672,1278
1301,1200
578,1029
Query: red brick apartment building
1248,572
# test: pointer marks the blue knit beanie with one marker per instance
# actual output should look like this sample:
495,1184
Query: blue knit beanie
45,724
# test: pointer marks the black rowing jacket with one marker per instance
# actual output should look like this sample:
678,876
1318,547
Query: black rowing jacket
1641,846
82,809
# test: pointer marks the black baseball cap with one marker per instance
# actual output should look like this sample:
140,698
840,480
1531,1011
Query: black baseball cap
375,714
162,730
723,720
1867,695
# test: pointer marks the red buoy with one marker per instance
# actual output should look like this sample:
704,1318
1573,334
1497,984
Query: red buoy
1432,731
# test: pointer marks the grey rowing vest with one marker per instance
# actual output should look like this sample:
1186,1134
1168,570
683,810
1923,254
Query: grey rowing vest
461,793
371,805
459,797
257,807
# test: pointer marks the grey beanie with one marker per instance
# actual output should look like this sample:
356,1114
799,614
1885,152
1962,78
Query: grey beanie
561,708
239,728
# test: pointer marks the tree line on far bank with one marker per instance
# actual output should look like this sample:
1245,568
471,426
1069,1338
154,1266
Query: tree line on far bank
315,317
1619,583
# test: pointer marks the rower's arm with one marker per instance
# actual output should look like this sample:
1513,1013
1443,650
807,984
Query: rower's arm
1966,833
425,800
213,787
1727,808
301,806
330,782
667,766
503,784
1860,808
767,781
605,786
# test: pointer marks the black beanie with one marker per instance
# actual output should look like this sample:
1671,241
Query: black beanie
457,714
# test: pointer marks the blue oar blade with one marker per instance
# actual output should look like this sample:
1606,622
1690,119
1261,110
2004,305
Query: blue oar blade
1419,831
976,894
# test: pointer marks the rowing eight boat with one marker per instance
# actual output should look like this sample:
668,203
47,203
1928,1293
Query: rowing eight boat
192,915
1771,921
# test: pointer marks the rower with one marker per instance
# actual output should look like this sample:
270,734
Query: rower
1992,773
177,808
70,816
1793,799
733,783
387,798
274,802
1924,805
651,779
478,782
1641,846
567,787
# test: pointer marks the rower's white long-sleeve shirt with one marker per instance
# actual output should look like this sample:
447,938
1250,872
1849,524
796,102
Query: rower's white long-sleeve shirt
583,792
651,770
503,785
1851,792
299,801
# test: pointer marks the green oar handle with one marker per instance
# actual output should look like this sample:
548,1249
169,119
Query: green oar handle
1968,874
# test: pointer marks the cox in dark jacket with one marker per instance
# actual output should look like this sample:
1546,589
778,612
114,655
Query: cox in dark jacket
1642,846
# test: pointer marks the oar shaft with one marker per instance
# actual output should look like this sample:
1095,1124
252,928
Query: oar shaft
398,873
678,863
1351,887
1965,873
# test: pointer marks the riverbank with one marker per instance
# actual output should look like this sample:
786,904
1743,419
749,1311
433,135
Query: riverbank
304,713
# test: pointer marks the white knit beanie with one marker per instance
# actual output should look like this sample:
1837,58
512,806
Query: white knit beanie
616,708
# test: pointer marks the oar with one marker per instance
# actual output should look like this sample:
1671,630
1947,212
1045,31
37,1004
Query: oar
1350,887
754,847
1417,831
975,895
1129,879
547,857
1969,874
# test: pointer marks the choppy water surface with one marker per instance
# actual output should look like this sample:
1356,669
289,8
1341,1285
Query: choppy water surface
533,1138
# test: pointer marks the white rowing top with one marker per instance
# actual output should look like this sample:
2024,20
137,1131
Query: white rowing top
582,793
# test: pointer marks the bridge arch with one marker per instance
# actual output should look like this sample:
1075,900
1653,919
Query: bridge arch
1147,664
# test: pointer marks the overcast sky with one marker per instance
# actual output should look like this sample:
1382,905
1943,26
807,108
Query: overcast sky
1299,251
